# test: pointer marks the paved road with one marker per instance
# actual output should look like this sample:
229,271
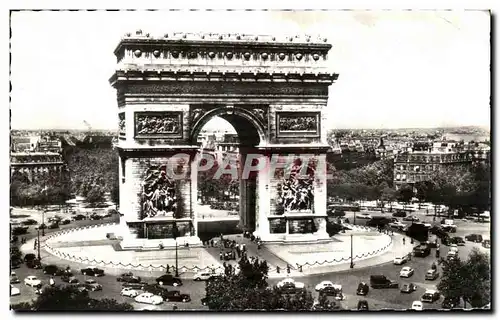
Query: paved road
349,279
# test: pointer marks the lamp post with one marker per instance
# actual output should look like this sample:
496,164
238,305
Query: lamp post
43,222
38,245
352,263
175,232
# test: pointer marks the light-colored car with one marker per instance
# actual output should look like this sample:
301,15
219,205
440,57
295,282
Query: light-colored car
400,260
324,284
129,292
417,305
397,225
14,291
203,276
32,281
289,282
149,298
453,248
431,274
363,216
430,296
406,272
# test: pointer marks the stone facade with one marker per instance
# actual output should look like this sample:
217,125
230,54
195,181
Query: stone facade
272,91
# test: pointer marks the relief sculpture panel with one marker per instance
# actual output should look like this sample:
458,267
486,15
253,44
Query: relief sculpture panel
296,193
158,124
298,124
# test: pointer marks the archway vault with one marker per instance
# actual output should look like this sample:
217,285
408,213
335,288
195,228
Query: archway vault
250,129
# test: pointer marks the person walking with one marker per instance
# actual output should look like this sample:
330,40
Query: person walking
52,282
404,241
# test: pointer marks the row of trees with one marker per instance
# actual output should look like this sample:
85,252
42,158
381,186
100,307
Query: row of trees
469,280
220,189
48,188
248,290
69,298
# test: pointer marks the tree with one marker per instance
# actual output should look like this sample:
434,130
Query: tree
405,193
15,254
248,290
388,194
469,280
69,298
95,195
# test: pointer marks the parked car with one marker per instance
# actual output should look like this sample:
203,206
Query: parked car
96,217
32,281
431,274
289,285
362,305
69,279
79,217
29,222
204,275
406,272
381,281
430,296
408,287
176,296
400,260
92,285
129,278
129,292
149,298
363,289
417,305
169,280
334,290
17,231
363,215
92,271
450,303
65,221
474,238
14,291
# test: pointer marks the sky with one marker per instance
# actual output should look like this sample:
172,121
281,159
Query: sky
397,68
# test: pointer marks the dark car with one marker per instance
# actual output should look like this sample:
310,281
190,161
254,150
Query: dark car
446,241
79,217
92,285
458,241
169,280
65,221
34,264
29,257
451,229
336,213
53,225
17,231
408,287
128,277
450,303
51,269
176,296
96,217
229,255
399,214
363,289
363,305
421,250
29,222
474,238
80,287
381,281
91,271
136,285
69,279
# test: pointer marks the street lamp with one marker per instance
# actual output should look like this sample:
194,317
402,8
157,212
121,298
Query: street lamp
38,245
352,263
43,223
175,232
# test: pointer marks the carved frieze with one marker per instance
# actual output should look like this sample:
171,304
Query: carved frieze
158,124
159,193
261,114
121,123
298,123
296,192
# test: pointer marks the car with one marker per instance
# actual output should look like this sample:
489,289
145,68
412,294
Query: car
14,291
80,287
129,292
79,217
411,218
400,260
452,255
29,257
96,217
14,278
203,276
397,225
363,289
29,222
53,225
134,285
289,285
34,264
69,279
65,221
168,280
323,284
92,271
474,238
362,305
430,296
362,215
454,248
32,281
51,269
381,281
449,228
486,243
417,305
148,298
431,274
129,278
408,287
406,272
333,290
421,250
92,285
450,302
176,296
399,213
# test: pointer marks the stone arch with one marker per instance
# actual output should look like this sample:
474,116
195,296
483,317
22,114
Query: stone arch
251,131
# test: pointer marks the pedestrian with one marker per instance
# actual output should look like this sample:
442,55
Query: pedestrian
221,256
404,241
52,282
437,253
168,268
288,268
277,269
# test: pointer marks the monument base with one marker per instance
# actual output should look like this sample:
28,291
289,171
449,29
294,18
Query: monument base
159,244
